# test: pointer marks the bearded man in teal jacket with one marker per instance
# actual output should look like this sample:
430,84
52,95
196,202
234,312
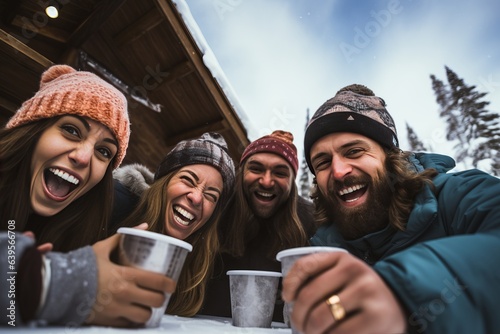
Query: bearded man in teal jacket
423,244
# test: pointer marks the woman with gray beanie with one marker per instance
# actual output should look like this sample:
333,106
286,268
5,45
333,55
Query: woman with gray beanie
184,199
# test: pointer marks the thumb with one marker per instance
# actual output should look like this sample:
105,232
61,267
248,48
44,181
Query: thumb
45,248
143,226
29,234
107,245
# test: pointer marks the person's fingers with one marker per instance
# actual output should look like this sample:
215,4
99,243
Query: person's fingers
321,316
361,303
148,298
29,234
132,285
119,315
150,280
107,245
310,302
136,314
137,295
354,324
45,248
305,268
122,323
142,226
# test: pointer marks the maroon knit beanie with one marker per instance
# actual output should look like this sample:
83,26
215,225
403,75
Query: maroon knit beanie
279,142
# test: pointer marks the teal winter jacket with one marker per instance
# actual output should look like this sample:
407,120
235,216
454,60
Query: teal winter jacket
445,266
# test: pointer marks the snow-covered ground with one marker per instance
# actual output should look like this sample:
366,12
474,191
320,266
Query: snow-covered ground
169,325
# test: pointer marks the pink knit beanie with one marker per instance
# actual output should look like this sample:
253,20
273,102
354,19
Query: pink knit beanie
279,142
63,90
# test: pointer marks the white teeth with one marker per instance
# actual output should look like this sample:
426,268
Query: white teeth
188,216
264,194
65,176
184,212
180,221
351,189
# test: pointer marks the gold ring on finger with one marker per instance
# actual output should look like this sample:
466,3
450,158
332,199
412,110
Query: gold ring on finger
338,311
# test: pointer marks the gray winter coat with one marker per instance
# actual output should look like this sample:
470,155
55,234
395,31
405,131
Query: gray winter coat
71,289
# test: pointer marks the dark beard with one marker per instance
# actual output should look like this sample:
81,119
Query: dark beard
372,216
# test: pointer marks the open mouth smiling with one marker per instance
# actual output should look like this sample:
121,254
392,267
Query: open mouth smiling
182,216
352,193
59,184
264,196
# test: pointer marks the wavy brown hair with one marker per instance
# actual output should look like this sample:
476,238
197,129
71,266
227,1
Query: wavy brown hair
81,223
188,296
284,230
406,183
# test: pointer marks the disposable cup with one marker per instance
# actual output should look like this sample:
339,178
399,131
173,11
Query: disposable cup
287,258
253,296
153,252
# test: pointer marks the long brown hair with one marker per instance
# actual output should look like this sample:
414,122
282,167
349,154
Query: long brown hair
81,223
240,225
406,183
190,291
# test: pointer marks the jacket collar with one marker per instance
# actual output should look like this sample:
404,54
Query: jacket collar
377,245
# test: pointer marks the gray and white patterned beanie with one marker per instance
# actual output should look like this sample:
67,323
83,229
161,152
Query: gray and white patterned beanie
354,108
209,149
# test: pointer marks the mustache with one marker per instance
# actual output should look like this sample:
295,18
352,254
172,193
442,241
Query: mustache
261,188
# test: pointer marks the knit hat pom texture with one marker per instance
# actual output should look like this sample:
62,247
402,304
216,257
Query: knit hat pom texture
209,149
356,109
278,142
65,91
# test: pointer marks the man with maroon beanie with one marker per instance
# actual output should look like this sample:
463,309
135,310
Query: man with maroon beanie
264,216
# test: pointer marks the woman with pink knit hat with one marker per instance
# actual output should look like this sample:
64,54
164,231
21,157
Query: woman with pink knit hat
57,154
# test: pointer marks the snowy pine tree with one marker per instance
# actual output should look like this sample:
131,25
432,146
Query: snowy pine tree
475,129
416,145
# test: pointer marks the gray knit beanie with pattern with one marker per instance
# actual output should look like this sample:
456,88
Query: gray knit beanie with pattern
209,149
354,108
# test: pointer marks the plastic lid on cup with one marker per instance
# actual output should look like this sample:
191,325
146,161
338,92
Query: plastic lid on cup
155,236
307,250
254,273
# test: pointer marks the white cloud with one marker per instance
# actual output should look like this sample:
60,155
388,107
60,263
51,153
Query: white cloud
283,57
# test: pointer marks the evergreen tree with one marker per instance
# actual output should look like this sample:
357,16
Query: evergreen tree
305,174
416,144
476,129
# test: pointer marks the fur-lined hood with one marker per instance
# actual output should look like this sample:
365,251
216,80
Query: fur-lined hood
135,177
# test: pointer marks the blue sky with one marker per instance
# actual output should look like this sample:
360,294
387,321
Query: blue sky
282,57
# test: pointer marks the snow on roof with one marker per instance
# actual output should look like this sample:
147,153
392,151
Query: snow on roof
213,65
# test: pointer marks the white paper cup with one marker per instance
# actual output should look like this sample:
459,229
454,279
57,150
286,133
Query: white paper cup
154,252
253,295
287,258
